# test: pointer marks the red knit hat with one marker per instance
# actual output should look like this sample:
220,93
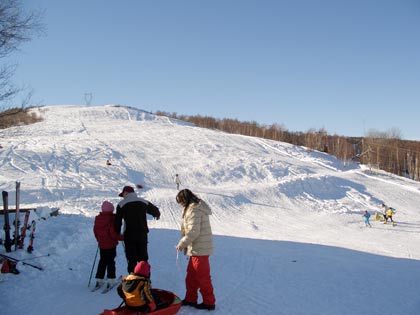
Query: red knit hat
142,268
107,206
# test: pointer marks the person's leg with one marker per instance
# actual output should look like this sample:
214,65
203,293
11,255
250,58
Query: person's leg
202,268
191,284
111,253
131,255
141,250
100,273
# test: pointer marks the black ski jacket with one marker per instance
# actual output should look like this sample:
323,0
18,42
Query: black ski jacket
133,210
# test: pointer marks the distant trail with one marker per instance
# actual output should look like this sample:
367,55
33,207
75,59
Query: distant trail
128,114
407,187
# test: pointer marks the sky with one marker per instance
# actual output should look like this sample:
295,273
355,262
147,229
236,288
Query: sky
344,66
287,222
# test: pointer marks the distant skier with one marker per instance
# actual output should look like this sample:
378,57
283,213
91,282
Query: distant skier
366,215
108,162
388,213
384,208
177,181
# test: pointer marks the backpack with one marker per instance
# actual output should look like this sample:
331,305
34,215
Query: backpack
135,290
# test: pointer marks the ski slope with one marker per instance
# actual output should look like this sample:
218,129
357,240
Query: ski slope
288,225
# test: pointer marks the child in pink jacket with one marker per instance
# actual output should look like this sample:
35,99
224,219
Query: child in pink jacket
107,241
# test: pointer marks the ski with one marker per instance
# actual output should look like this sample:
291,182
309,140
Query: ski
97,287
23,231
7,241
32,236
109,288
17,223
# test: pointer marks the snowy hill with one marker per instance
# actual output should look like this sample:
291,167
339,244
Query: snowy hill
289,232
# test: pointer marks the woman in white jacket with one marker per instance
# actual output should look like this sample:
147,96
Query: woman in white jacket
196,242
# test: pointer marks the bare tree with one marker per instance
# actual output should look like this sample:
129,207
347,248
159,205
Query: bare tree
16,27
394,133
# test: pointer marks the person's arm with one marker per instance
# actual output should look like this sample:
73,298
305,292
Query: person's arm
148,294
95,229
118,220
113,234
192,229
153,210
120,292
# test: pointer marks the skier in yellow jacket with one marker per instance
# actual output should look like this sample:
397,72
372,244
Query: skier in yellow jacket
388,213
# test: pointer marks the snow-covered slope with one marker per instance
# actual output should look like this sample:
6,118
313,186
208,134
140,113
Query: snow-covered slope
288,223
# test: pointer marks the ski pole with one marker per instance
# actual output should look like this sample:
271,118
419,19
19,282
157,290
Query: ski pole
35,257
93,266
23,263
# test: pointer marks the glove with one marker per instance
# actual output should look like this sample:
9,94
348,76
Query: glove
152,306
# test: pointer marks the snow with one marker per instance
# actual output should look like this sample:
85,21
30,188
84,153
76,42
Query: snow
288,227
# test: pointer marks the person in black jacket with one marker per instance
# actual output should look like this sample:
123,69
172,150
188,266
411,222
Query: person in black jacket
133,209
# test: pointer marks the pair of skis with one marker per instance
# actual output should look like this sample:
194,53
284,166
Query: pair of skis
107,287
8,241
18,239
6,227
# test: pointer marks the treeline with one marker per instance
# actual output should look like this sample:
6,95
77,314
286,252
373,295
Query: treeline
379,150
17,116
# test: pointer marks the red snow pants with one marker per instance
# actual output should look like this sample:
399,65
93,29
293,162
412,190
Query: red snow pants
198,278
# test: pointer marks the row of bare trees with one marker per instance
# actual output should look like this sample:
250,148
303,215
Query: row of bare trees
16,27
381,150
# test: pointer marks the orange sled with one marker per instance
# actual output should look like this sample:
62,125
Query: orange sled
169,305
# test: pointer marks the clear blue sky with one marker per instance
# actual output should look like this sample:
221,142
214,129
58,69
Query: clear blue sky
346,66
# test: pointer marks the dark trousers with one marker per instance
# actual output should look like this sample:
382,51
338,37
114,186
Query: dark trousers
135,251
106,263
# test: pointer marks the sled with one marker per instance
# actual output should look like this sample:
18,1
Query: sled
169,304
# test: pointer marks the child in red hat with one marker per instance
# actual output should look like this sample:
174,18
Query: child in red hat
136,289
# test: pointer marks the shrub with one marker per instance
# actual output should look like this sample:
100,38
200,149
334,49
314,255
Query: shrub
17,117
